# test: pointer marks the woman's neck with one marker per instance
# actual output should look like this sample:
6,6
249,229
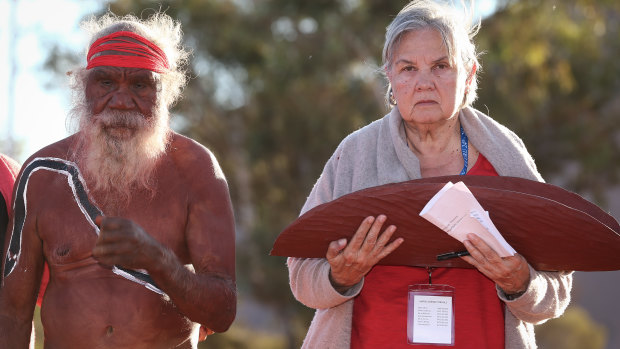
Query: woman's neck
437,147
431,140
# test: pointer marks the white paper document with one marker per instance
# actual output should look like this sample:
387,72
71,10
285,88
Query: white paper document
456,211
432,320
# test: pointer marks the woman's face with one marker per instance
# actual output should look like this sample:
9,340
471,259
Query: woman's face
427,87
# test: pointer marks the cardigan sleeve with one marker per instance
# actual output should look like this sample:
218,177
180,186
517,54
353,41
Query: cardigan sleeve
309,277
546,297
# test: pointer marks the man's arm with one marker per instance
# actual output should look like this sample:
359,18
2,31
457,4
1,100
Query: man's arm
206,294
18,292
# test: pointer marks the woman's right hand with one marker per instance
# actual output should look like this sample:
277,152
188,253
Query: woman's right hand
349,262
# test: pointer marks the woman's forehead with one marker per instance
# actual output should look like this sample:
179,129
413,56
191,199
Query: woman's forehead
427,43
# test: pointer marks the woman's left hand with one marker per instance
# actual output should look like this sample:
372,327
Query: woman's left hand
511,274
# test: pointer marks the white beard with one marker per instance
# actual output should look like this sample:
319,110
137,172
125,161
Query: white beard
118,152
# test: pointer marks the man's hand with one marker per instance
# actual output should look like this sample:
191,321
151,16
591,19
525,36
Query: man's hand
123,243
511,274
350,262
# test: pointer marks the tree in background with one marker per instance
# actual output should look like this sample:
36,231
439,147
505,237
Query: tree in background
551,75
277,84
573,330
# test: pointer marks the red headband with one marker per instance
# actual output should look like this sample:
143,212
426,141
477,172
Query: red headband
145,55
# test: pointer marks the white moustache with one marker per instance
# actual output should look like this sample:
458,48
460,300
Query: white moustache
126,119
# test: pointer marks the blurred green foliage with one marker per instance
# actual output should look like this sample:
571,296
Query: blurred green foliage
573,330
551,75
277,84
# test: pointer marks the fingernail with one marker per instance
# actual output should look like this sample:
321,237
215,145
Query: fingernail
342,242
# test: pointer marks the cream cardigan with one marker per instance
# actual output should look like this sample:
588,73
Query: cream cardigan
378,154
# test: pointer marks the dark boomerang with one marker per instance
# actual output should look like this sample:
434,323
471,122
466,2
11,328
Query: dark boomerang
80,193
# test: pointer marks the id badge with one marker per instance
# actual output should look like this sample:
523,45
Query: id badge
430,315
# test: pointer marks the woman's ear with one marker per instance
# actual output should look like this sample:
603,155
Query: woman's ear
387,72
471,76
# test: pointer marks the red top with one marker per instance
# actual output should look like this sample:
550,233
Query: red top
9,169
380,310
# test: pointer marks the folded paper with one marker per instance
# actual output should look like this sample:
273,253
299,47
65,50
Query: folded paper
455,210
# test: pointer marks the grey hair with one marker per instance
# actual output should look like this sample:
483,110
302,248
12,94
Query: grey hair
160,29
456,29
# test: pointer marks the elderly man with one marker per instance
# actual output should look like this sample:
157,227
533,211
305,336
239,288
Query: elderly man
133,219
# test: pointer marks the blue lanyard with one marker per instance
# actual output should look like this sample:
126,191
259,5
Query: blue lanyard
464,148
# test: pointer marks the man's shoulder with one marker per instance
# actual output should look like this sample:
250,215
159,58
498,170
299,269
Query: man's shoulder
190,156
184,148
60,149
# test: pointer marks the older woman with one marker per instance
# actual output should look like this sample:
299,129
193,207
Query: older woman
431,130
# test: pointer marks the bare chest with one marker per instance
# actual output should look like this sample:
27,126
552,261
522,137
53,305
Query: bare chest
62,215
